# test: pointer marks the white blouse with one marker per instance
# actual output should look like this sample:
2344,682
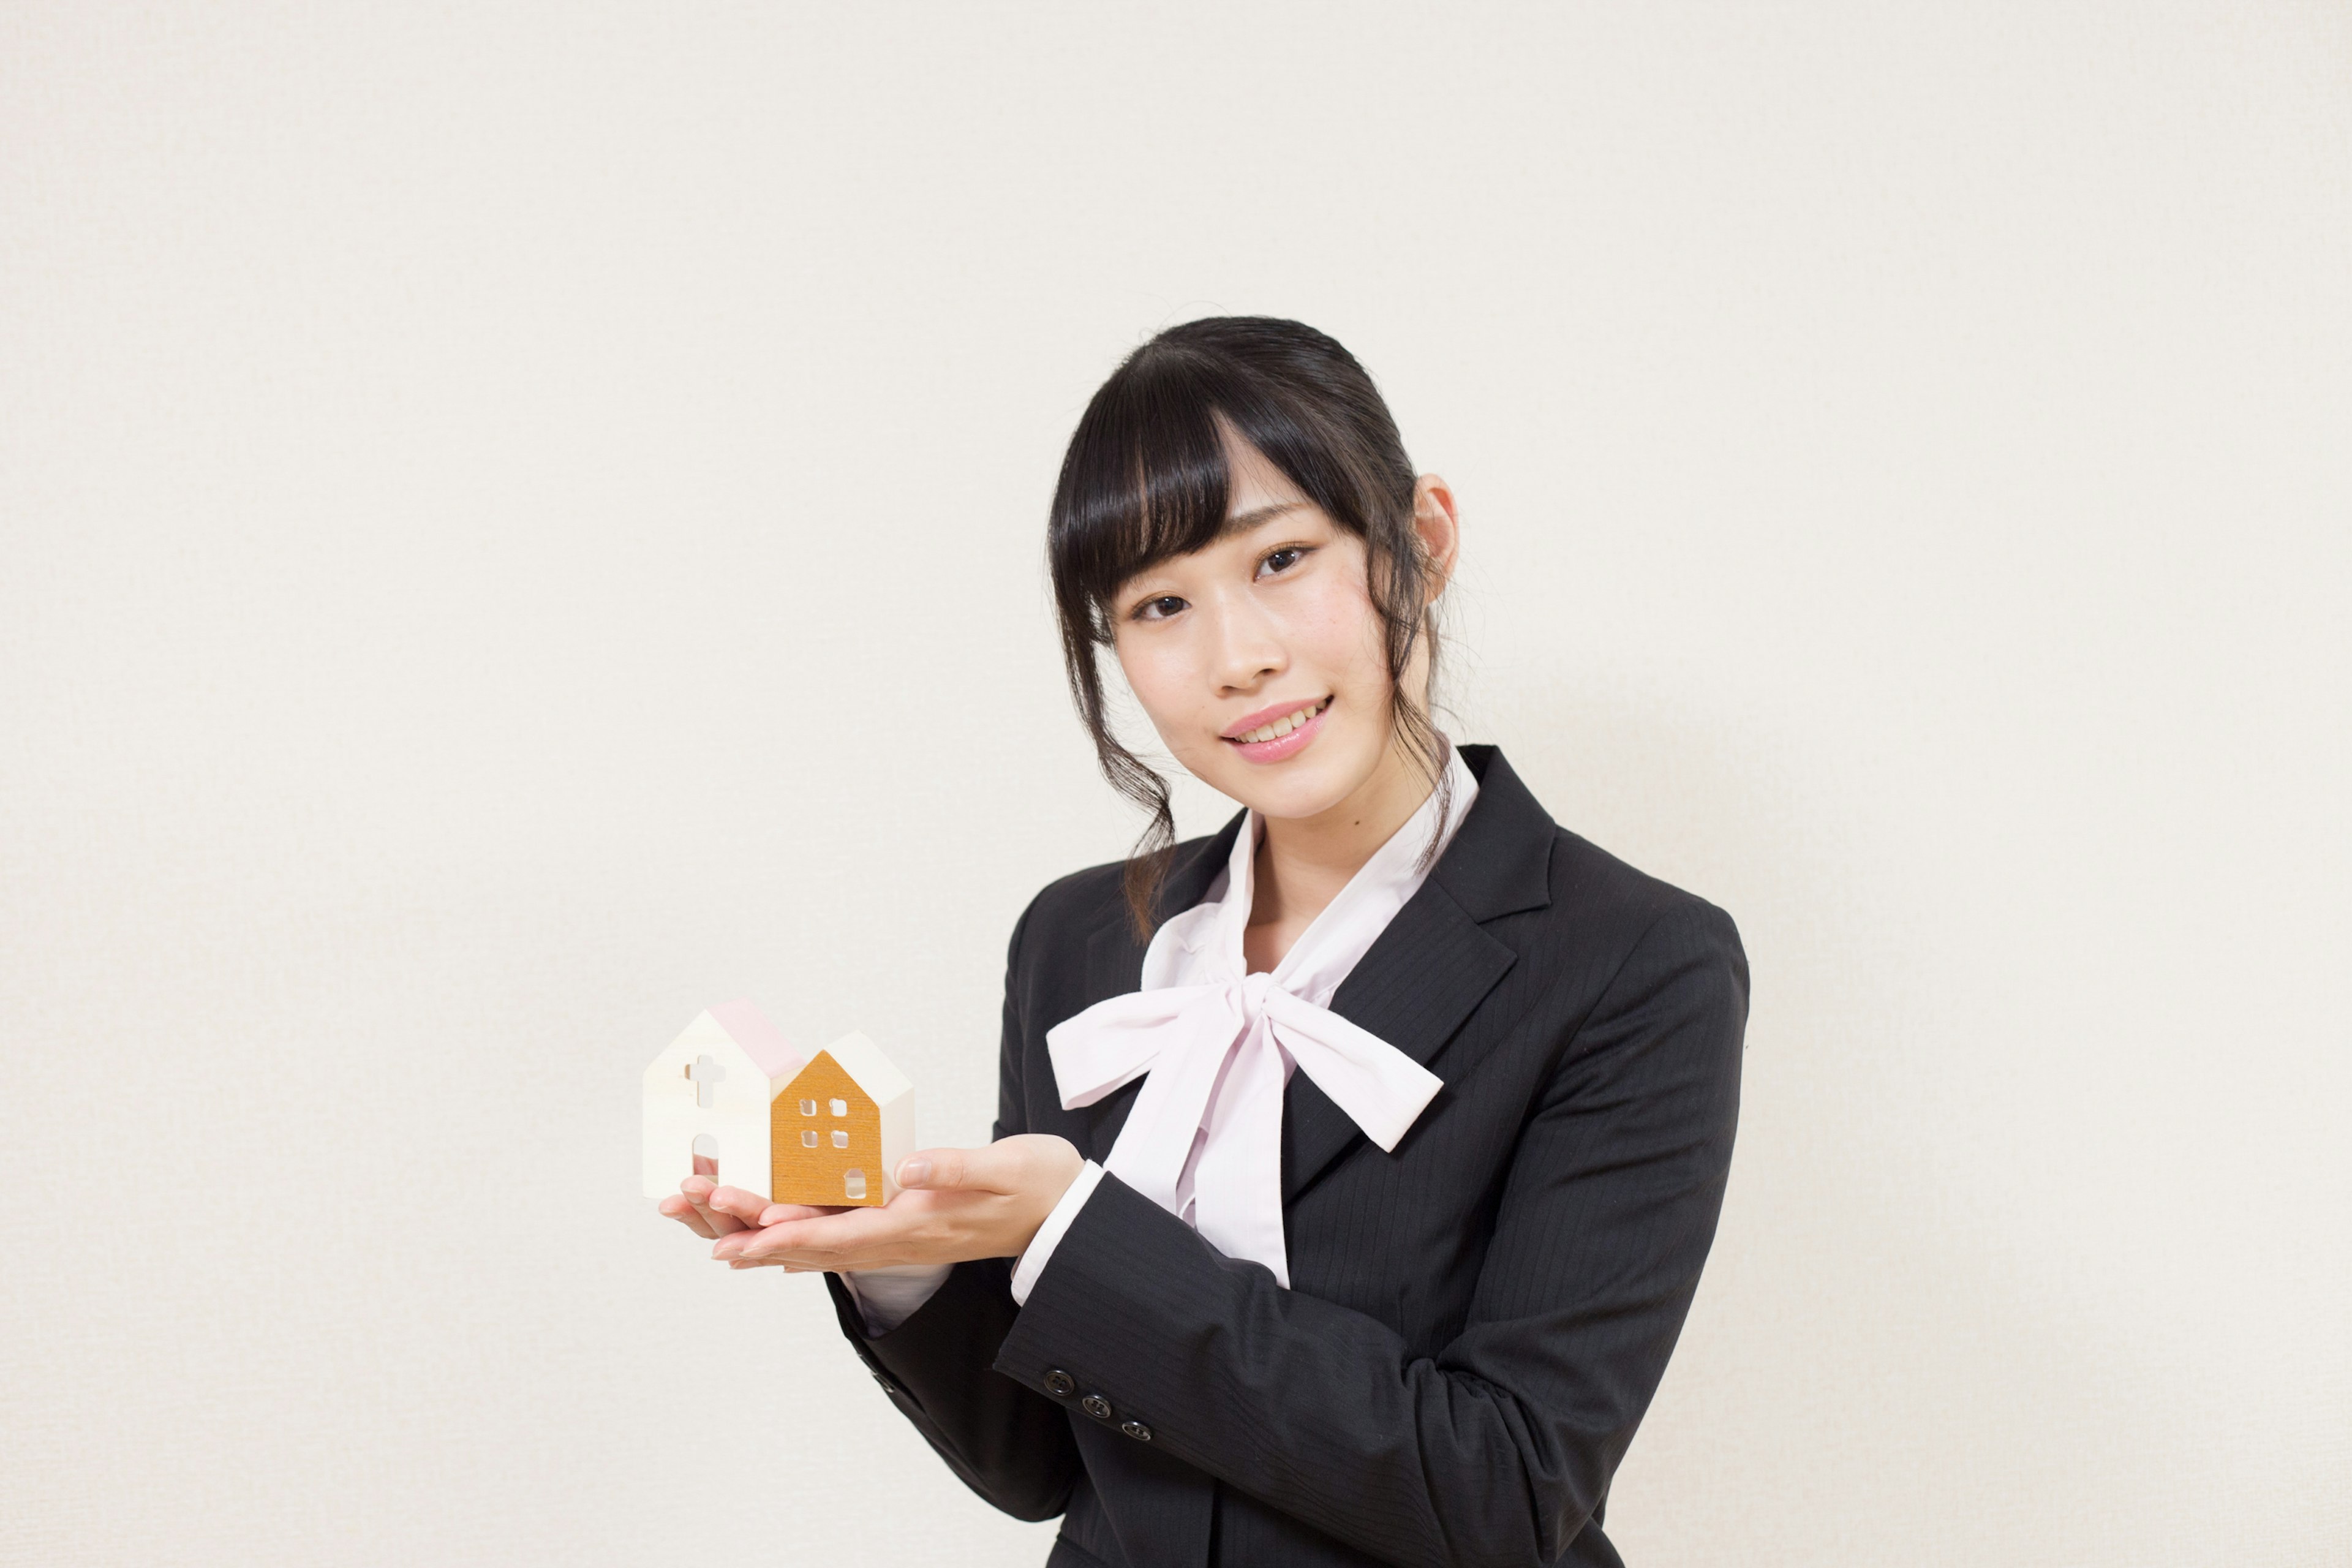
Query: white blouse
1216,1044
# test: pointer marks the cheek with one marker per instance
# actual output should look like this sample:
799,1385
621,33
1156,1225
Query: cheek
1160,673
1336,632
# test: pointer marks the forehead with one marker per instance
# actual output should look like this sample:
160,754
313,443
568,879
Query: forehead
1252,481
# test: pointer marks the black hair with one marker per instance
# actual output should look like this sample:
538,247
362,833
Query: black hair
1145,479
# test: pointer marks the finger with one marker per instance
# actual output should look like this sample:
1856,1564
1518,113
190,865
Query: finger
776,1214
942,1168
741,1207
676,1207
858,1238
995,1169
697,1190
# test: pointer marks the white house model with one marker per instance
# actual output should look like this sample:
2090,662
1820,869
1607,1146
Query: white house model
732,1099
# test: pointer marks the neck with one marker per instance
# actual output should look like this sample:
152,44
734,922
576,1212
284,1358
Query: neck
1304,862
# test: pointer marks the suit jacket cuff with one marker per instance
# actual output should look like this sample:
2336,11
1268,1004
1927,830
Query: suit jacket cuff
1040,1250
888,1296
1119,1328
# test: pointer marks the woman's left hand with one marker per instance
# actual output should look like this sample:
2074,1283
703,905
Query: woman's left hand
954,1204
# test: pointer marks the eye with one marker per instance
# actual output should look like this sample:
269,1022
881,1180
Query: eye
1282,560
1158,609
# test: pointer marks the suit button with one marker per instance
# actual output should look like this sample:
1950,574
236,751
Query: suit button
1137,1430
1095,1406
1060,1383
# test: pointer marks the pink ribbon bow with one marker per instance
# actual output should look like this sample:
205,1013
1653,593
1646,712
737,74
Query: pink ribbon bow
1218,1044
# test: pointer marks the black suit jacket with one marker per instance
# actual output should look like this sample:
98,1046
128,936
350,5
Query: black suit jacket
1475,1321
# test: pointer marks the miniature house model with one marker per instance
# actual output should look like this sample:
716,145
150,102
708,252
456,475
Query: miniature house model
731,1098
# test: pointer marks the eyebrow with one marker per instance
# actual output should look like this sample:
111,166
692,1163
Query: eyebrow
1243,521
1240,522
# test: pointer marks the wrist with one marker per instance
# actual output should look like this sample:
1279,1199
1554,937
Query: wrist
1065,1165
1039,1252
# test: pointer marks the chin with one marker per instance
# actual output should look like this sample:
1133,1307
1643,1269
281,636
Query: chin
1307,785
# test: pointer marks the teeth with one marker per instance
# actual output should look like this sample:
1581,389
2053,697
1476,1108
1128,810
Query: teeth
1282,726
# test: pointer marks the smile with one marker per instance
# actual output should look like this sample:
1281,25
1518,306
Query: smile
1284,735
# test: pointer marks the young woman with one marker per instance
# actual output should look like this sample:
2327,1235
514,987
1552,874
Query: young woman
1355,1164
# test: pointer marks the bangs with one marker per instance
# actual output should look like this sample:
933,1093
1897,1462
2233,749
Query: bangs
1145,479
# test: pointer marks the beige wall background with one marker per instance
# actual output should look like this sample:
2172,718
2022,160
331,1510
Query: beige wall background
519,520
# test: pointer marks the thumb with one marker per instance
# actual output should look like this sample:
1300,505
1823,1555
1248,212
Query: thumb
946,1168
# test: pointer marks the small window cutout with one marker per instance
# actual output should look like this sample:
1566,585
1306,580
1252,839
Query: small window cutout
808,1107
841,1108
706,1155
854,1182
840,1140
808,1139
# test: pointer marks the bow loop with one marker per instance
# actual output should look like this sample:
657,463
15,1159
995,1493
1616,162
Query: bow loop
1116,1041
1382,1089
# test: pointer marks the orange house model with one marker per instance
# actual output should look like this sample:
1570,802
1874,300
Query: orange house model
838,1130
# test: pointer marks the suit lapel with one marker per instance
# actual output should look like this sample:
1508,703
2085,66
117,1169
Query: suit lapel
1424,976
1420,982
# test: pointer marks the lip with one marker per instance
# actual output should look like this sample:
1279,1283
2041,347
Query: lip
1248,721
1282,746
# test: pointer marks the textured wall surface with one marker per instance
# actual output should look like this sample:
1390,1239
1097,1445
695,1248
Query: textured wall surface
519,520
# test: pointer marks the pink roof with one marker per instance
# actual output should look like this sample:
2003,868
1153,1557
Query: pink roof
761,1041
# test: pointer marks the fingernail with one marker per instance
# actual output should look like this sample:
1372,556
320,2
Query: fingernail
914,1172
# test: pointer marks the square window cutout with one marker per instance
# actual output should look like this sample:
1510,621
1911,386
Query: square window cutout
808,1139
841,1108
840,1139
808,1107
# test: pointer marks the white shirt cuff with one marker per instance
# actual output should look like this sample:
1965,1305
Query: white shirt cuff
888,1296
1040,1250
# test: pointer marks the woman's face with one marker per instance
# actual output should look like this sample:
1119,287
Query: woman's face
1258,656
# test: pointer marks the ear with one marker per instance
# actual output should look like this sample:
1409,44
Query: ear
1438,527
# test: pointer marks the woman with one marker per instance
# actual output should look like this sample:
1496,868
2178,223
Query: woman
1355,1165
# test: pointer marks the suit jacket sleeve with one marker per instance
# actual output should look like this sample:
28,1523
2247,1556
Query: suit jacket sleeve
1498,1448
1008,1444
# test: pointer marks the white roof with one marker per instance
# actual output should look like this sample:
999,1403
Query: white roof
863,1060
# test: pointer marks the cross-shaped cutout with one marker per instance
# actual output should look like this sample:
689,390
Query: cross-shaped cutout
707,1075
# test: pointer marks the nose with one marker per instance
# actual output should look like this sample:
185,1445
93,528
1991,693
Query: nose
1247,650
